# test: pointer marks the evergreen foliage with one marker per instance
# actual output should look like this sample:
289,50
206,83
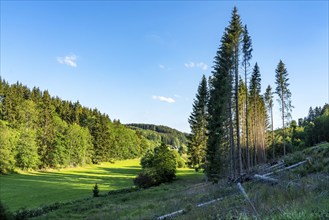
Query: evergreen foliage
218,109
282,90
95,191
235,30
234,144
268,97
198,123
247,55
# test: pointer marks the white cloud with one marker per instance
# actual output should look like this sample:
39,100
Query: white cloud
189,65
163,99
200,65
161,66
70,60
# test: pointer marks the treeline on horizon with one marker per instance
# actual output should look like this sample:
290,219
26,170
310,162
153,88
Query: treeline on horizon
38,131
162,134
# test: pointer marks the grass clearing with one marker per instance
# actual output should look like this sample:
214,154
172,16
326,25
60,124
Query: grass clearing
302,193
32,189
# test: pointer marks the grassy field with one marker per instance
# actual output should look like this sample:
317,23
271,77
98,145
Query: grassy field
32,189
302,193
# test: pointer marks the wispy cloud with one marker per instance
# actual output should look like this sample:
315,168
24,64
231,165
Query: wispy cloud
200,65
70,60
163,99
161,66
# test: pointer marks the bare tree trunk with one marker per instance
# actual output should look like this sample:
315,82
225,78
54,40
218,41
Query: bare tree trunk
255,134
232,158
284,129
247,128
236,68
272,133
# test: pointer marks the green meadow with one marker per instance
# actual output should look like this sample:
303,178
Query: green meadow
32,189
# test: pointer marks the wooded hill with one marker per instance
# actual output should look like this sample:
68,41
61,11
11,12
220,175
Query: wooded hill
162,134
40,131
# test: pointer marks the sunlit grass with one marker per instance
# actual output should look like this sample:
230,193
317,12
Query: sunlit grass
32,189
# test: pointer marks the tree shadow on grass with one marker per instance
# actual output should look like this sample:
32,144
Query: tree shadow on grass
49,187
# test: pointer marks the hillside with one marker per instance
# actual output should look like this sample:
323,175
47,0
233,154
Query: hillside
41,131
299,193
160,133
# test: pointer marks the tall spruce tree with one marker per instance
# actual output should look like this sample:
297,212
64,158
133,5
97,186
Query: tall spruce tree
220,90
246,51
197,140
254,90
268,96
282,90
235,30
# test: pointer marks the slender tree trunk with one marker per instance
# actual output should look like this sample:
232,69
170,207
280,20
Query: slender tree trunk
272,133
255,133
284,129
236,68
232,158
247,132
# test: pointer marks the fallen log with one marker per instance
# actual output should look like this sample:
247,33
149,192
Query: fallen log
279,165
212,201
287,168
171,214
246,197
265,178
183,210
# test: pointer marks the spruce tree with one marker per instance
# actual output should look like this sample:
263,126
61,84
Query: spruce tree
220,91
282,90
268,96
198,123
235,33
254,90
246,51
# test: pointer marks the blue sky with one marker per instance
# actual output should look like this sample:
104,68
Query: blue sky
142,61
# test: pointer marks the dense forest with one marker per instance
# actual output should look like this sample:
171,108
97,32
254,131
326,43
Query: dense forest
232,122
40,131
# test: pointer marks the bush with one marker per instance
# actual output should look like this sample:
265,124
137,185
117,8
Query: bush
159,166
5,214
146,179
96,191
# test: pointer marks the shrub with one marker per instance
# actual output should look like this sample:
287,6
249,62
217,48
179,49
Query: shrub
159,166
96,191
147,159
5,214
146,179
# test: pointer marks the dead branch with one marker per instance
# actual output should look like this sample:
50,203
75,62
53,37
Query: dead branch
269,179
246,197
